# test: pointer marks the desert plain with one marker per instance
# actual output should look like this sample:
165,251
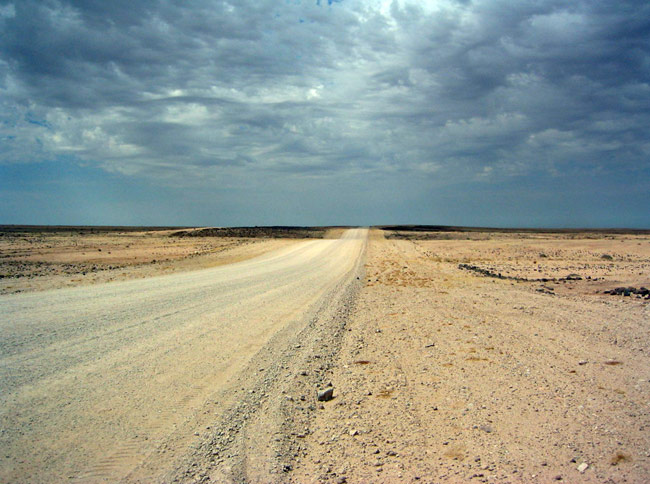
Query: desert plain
198,355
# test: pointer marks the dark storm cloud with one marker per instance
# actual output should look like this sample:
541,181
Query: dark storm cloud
445,90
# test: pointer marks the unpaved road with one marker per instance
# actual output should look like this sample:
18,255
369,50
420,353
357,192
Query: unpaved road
115,381
40,260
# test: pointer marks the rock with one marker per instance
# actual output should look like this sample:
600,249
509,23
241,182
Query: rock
326,395
486,428
582,362
583,467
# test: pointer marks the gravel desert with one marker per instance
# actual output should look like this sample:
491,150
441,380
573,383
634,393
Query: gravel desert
451,356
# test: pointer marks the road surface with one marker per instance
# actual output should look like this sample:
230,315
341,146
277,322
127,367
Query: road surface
93,380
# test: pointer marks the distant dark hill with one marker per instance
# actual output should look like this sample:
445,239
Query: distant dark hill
452,228
273,232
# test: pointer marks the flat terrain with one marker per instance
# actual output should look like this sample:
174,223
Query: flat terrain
445,375
36,258
102,382
463,356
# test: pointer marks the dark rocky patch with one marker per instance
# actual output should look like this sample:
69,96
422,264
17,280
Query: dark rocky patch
629,291
497,275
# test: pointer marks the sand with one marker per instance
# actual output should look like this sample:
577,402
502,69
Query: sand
440,373
37,259
447,376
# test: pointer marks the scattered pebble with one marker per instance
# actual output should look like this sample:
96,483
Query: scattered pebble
326,394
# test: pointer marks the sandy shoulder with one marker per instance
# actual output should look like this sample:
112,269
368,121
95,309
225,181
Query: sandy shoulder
447,376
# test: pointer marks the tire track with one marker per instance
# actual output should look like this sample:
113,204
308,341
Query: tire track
124,373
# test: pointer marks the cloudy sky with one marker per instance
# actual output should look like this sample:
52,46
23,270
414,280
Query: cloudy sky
306,112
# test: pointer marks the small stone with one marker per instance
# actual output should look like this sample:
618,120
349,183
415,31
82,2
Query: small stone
326,395
583,467
353,433
582,362
486,428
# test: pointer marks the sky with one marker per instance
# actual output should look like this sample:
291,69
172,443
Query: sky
332,112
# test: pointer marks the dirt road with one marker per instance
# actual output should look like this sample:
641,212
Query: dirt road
39,259
115,381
